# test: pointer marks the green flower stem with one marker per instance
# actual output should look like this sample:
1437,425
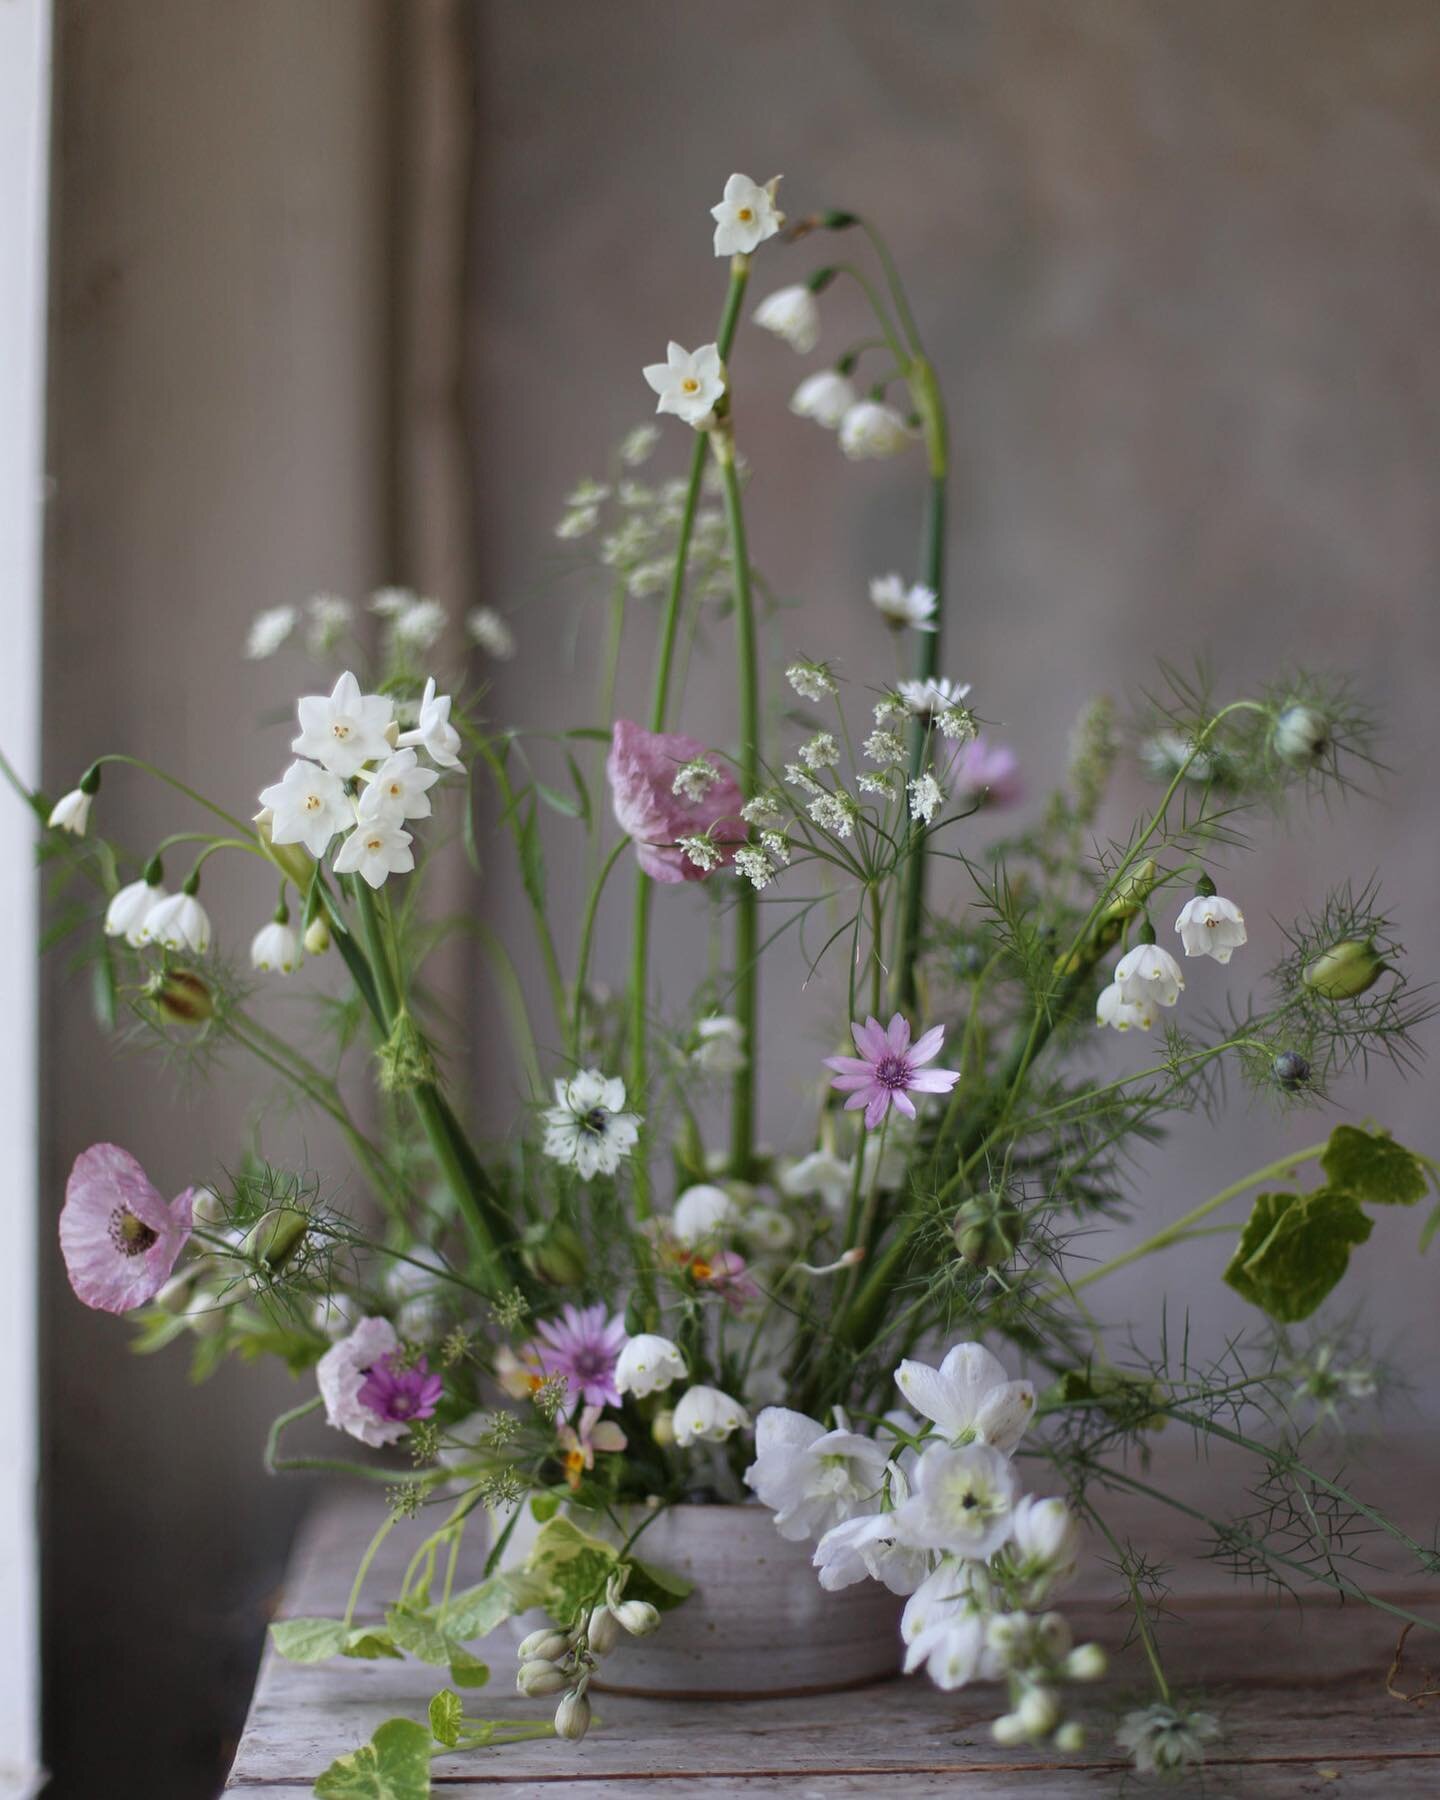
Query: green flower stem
275,1464
587,935
136,762
1144,1630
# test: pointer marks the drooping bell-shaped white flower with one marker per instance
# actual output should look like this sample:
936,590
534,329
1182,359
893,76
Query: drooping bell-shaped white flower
970,1397
707,1415
746,216
719,1045
701,1213
71,812
689,382
275,948
791,313
647,1364
179,922
434,734
129,909
375,850
344,729
1149,976
1210,925
872,429
398,790
825,397
308,806
1112,1009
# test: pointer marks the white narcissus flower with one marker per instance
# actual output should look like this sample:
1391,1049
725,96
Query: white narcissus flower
961,1501
746,216
702,1213
275,948
309,805
344,729
1112,1009
899,605
588,1127
1149,976
689,382
340,1375
872,429
375,850
924,699
1211,926
179,922
268,631
647,1364
970,1397
825,397
706,1415
812,1478
791,313
128,910
398,790
71,812
720,1045
434,734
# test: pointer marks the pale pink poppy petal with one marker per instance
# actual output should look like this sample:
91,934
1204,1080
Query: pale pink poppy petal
641,769
119,1238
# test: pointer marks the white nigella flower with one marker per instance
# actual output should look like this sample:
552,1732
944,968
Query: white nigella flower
268,631
1111,1008
701,1213
1301,736
689,382
791,313
1165,754
970,1397
647,1364
746,216
1211,926
926,699
276,947
720,1045
71,812
926,798
1044,1544
811,681
961,1501
345,729
826,397
398,790
707,1415
638,446
812,1478
490,632
129,908
872,429
375,850
821,1174
1149,976
588,1127
1163,1738
308,806
900,606
179,922
434,733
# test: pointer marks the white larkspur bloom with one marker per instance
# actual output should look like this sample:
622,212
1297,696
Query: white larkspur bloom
398,790
490,632
826,397
899,605
952,1589
952,1652
961,1501
275,947
720,1045
638,445
588,1127
924,699
701,1213
308,806
689,382
340,1375
179,922
1162,1738
812,1478
926,798
345,729
71,812
872,429
746,215
1149,976
869,1545
434,734
647,1364
821,1174
708,1415
1044,1544
1112,1009
1211,926
129,908
970,1397
375,850
791,313
268,631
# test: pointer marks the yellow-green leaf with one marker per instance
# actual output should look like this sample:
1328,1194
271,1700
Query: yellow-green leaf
1294,1249
394,1765
1373,1167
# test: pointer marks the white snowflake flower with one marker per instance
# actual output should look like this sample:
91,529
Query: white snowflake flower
490,632
820,751
345,729
694,779
834,813
924,699
71,812
648,1364
791,313
375,850
588,1128
885,748
746,215
1112,1009
275,948
637,446
872,429
811,681
754,865
688,382
130,907
1211,926
900,606
579,522
826,397
308,806
926,798
268,631
708,1415
179,922
1148,975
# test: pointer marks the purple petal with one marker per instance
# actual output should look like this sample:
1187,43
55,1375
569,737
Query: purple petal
928,1046
870,1039
933,1081
897,1035
880,1105
849,1065
903,1103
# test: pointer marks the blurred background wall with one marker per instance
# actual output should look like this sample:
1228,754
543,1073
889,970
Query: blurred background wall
1176,265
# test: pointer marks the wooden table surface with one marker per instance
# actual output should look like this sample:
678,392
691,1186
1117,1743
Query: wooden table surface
1301,1693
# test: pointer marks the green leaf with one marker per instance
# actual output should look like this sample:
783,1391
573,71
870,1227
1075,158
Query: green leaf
466,1671
394,1765
417,1636
1428,1230
544,1507
582,792
446,1712
570,1565
532,860
660,1587
475,1612
1294,1249
1372,1167
368,1643
558,802
309,1640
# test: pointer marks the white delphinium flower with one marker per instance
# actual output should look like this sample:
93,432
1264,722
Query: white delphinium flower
929,699
638,446
648,1364
689,382
812,1478
1211,926
588,1127
746,215
720,1045
268,631
419,626
926,798
821,1175
579,522
755,866
490,632
820,752
434,733
764,810
970,1397
1327,1384
130,907
308,806
952,1652
71,812
694,779
701,852
952,1589
398,790
900,606
811,681
276,947
1163,1738
1114,1010
179,922
702,1213
327,618
1044,1546
961,1500
867,1545
826,397
872,429
791,313
1149,976
375,850
708,1415
834,813
345,729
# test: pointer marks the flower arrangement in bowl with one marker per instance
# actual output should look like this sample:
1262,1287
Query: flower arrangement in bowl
687,1378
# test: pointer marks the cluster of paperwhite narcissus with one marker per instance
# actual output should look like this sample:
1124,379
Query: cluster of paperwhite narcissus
1147,977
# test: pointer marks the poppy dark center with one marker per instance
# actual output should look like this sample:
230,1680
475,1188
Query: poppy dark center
130,1235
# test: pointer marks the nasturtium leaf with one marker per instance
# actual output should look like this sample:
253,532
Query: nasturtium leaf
446,1712
543,1507
309,1640
1294,1249
417,1636
475,1612
368,1643
1373,1167
466,1671
394,1765
1428,1230
571,1566
660,1587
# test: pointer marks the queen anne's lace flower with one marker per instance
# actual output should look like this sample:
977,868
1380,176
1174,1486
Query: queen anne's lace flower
588,1128
811,681
694,779
755,866
490,632
268,631
641,769
820,752
928,699
1211,926
885,748
638,445
834,813
764,809
746,216
900,605
926,798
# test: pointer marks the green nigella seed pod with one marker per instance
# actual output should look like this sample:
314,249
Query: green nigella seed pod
987,1230
275,1237
1132,891
182,997
555,1254
1345,970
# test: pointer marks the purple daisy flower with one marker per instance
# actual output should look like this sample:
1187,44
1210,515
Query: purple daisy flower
889,1069
583,1346
118,1236
398,1392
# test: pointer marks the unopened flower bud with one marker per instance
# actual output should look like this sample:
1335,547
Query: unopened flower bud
662,1428
1039,1710
603,1632
638,1617
1346,970
291,859
209,1208
987,1229
274,1238
1009,1730
317,936
1132,891
1301,737
545,1645
555,1254
175,1295
537,1679
572,1717
205,1315
181,997
1070,1738
1087,1662
1291,1071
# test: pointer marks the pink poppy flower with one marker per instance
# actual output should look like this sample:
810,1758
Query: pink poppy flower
989,773
118,1237
889,1069
642,769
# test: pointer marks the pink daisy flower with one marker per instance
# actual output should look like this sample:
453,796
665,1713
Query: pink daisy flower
584,1346
399,1394
889,1069
118,1237
989,773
